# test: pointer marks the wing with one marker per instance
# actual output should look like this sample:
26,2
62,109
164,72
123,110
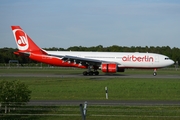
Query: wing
83,61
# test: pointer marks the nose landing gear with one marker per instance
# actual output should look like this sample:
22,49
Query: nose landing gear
155,72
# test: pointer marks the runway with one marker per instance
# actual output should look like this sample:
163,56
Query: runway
93,77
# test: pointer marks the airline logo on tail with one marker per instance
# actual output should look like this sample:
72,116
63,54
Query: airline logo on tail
21,39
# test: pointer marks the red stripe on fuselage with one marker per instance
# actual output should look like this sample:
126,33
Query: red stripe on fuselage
53,61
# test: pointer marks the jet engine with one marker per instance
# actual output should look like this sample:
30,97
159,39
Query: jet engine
109,67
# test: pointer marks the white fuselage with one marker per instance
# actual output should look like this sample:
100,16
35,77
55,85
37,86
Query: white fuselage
122,59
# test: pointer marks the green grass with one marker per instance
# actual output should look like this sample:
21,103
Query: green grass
65,88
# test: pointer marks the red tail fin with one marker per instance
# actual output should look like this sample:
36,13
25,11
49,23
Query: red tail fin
24,42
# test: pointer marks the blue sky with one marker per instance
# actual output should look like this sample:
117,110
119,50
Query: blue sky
67,23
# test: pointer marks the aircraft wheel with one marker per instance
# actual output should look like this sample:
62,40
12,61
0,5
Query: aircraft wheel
96,73
90,72
154,73
85,73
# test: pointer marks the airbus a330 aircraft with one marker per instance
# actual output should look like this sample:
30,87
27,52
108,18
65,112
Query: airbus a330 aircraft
108,62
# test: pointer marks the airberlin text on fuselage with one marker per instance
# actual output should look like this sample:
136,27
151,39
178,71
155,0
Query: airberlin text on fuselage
138,58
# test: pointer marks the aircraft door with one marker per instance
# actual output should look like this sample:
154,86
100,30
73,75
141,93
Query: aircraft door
156,59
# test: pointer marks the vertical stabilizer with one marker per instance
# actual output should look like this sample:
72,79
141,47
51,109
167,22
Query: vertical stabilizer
24,42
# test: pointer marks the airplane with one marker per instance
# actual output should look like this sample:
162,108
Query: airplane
107,62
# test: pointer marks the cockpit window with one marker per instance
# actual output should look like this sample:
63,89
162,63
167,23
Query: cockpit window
166,58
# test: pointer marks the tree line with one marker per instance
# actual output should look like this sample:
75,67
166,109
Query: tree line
6,54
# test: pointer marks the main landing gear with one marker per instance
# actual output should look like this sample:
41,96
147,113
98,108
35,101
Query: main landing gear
90,72
155,72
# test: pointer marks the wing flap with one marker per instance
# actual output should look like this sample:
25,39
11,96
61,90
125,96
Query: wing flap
67,57
78,59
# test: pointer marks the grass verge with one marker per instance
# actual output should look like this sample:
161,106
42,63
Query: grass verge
50,88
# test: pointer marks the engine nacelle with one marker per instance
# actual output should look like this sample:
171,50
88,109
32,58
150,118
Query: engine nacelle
109,67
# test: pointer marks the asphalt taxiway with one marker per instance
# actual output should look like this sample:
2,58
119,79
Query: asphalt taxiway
101,102
93,76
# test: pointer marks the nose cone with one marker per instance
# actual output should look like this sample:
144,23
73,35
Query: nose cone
171,62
